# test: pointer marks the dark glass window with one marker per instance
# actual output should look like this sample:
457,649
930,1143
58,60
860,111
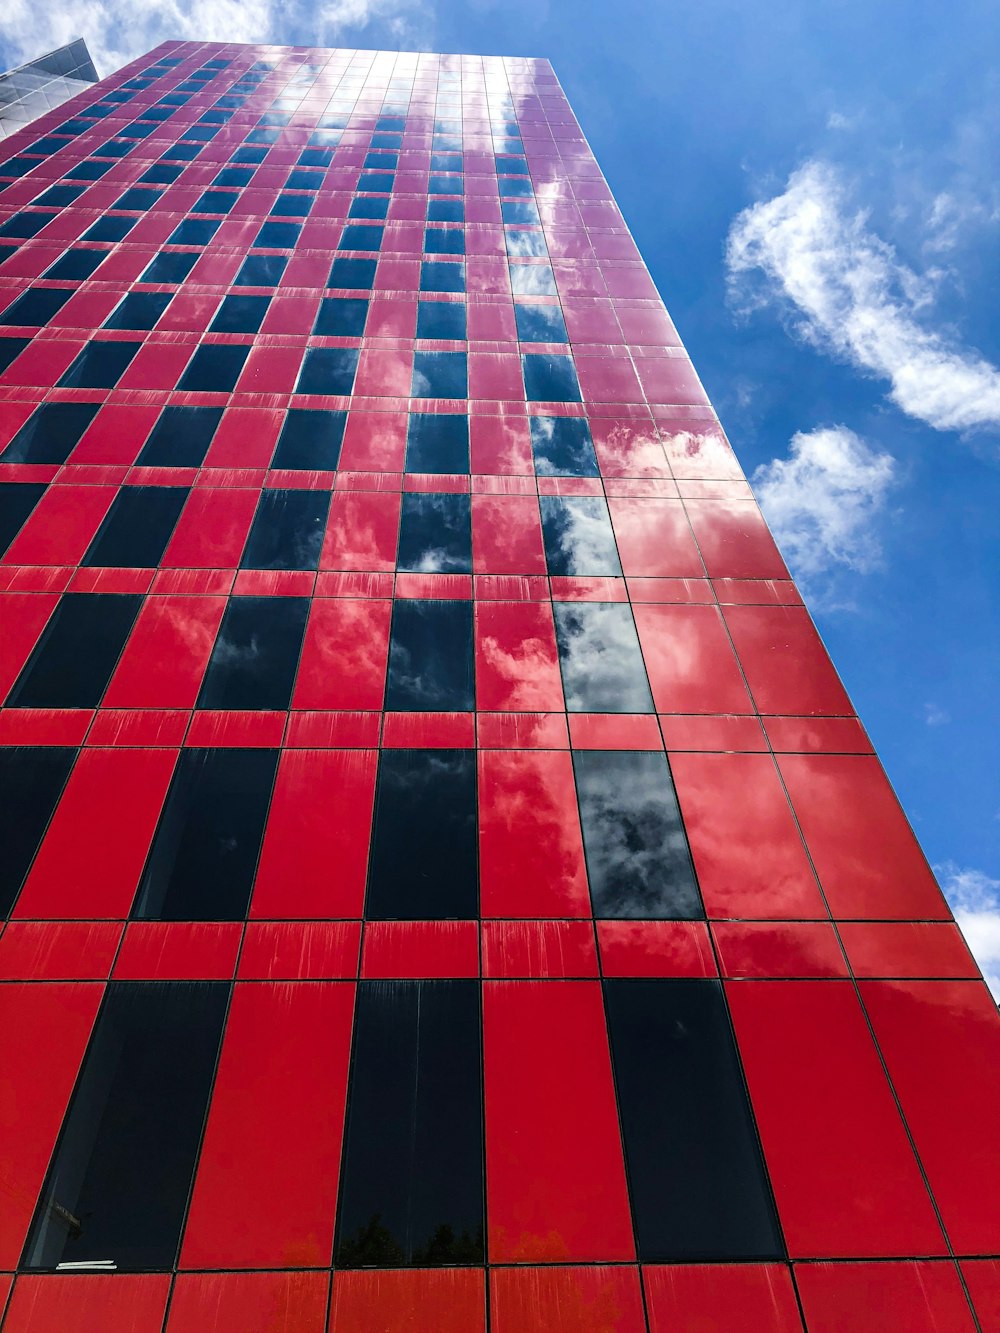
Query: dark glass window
292,205
440,375
250,154
696,1177
437,442
181,437
444,241
442,276
169,267
315,157
239,176
638,861
525,243
578,536
532,280
214,368
278,235
99,366
328,370
261,271
381,162
51,433
600,660
35,307
160,173
181,152
411,1189
430,657
25,225
138,310
435,534
78,650
521,211
287,530
304,180
540,323
393,123
444,184
10,350
441,319
376,182
563,447
137,200
446,161
424,849
310,440
550,379
256,653
203,859
88,170
341,317
240,314
360,236
445,210
352,273
109,229
194,231
137,527
119,1182
31,780
17,500
215,201
376,209
75,265
515,186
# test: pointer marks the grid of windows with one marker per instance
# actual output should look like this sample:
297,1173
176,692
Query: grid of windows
446,886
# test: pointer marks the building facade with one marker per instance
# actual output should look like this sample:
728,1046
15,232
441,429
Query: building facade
446,885
43,84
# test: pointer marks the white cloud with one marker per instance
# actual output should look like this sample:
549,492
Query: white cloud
975,900
935,716
854,297
823,500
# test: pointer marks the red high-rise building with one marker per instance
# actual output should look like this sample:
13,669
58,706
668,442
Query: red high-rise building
446,885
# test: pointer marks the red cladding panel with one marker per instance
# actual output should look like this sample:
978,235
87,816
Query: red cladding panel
655,949
778,949
300,951
249,1303
554,1169
58,950
178,951
23,616
361,532
167,653
93,854
414,949
517,660
282,1082
61,527
913,1297
43,1034
530,847
786,665
982,1277
566,1300
416,1300
654,539
734,540
689,660
95,1303
721,1298
344,655
521,949
212,529
844,1176
315,852
506,535
907,949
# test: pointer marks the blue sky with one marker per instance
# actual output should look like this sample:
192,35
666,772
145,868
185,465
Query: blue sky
816,191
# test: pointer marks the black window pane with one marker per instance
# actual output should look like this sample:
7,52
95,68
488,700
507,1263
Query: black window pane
445,210
51,433
440,375
437,442
292,205
600,660
194,231
696,1176
352,273
411,1188
204,854
99,366
138,310
360,237
256,653
109,229
441,319
287,531
214,368
563,447
35,307
578,538
169,267
77,652
118,1185
442,277
137,527
31,782
550,379
375,209
540,324
240,314
10,350
181,437
17,500
310,440
76,265
278,235
435,534
261,271
444,241
638,862
341,317
328,370
430,657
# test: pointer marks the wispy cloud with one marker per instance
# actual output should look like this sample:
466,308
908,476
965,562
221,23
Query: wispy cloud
935,715
975,900
823,500
811,249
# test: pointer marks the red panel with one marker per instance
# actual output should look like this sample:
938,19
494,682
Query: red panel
845,1180
43,1033
431,731
249,1303
361,532
530,847
614,731
93,854
654,539
522,731
557,1299
333,730
167,653
786,665
907,949
500,445
522,949
344,654
374,441
712,733
413,949
983,1279
779,949
941,1044
506,535
315,851
555,1174
517,660
235,728
689,660
58,951
116,434
415,1300
179,951
879,870
912,1297
655,949
808,735
300,951
95,1303
721,1298
212,529
734,540
61,526
746,848
282,1078
147,728
23,616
